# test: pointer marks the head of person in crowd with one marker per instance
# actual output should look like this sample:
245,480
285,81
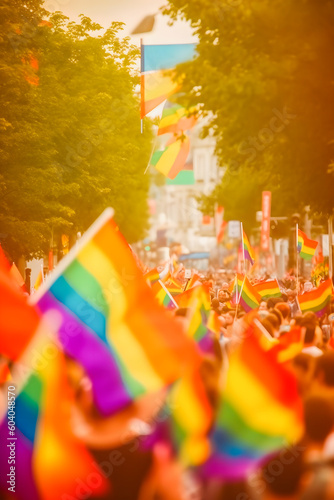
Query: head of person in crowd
263,306
319,419
268,325
223,295
291,296
285,311
307,286
278,315
303,365
324,371
216,306
273,301
281,477
271,324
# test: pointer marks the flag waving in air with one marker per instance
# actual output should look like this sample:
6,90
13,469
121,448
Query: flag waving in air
305,247
112,325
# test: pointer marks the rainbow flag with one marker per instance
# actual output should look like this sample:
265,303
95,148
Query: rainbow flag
176,118
200,306
259,413
317,300
163,296
50,460
194,281
174,287
171,160
184,299
161,273
245,294
305,247
157,83
112,325
247,249
268,289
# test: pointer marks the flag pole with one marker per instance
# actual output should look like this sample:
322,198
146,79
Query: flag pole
243,247
141,87
239,295
297,283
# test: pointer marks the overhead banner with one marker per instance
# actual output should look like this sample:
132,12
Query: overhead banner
265,227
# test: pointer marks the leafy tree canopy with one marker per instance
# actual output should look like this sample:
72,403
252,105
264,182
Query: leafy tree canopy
70,141
264,76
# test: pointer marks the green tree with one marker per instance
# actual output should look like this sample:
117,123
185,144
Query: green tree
263,73
80,149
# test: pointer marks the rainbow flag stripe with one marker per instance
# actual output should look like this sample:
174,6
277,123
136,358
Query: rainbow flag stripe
172,159
258,420
249,298
305,247
111,323
268,289
317,300
248,251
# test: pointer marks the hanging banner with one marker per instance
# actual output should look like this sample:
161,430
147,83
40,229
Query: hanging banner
265,227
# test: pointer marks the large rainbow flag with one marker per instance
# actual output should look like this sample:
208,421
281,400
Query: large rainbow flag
260,413
317,300
157,63
305,247
268,289
112,325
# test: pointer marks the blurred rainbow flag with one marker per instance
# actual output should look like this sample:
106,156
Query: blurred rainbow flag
317,300
128,344
305,247
171,160
260,413
176,118
157,82
247,249
268,289
163,296
245,293
50,460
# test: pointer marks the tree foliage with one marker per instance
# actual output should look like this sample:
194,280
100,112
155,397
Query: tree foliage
264,75
70,132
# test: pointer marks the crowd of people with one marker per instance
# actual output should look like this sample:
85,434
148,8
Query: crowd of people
308,472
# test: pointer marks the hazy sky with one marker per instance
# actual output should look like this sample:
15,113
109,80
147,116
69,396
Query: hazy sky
130,12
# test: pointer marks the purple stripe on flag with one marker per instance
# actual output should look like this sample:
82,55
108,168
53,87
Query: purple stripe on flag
206,343
25,483
83,345
226,468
